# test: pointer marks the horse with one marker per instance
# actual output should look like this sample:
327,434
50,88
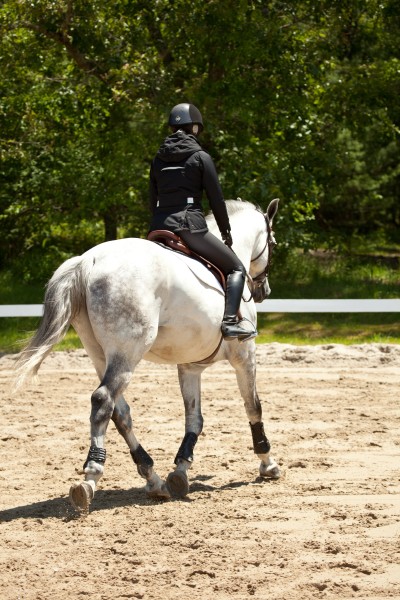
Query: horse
132,299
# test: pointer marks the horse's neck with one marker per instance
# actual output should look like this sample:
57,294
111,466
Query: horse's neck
245,233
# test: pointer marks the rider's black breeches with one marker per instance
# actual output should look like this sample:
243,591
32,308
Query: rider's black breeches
211,248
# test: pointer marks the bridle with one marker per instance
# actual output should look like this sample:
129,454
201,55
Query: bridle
270,243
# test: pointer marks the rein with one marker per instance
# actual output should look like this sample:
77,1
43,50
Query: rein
270,243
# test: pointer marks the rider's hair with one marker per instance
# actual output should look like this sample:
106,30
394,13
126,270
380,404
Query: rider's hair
190,128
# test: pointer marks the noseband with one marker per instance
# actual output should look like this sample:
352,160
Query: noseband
270,243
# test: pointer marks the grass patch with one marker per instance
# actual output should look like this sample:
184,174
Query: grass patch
327,328
16,331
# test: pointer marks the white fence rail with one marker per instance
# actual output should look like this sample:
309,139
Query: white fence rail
330,306
277,306
21,310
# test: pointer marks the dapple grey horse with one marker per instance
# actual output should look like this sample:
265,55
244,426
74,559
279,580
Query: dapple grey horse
134,299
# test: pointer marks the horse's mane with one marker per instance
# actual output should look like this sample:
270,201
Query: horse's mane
235,206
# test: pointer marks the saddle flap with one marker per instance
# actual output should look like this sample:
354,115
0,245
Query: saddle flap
174,242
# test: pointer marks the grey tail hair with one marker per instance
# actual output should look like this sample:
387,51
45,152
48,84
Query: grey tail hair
65,295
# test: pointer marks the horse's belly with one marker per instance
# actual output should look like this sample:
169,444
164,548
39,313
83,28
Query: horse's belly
185,345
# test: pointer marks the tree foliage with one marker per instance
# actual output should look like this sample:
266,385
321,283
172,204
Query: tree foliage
300,101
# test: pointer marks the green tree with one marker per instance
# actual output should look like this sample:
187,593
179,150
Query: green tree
299,98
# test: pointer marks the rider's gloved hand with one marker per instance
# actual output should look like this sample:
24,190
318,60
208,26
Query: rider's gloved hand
226,236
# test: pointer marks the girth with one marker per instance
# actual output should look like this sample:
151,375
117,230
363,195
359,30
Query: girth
174,242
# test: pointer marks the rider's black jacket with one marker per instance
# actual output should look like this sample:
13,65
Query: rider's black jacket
179,173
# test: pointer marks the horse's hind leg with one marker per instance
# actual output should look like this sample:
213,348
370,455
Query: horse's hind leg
103,408
108,402
244,363
189,380
155,486
116,377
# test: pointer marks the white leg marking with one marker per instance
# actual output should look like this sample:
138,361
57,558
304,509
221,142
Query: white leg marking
269,467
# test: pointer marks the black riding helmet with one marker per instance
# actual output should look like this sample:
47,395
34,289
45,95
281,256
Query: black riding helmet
185,114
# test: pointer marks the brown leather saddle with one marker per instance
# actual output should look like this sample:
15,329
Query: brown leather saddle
174,242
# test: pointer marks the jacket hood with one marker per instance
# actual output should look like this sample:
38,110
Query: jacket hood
178,146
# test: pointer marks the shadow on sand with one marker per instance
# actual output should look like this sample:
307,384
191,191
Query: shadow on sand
60,508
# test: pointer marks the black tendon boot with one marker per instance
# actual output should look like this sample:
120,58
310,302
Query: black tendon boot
231,326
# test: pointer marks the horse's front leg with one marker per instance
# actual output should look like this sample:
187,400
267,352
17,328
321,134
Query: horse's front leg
190,383
244,363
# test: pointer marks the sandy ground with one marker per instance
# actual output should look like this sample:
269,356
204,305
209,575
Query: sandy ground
329,528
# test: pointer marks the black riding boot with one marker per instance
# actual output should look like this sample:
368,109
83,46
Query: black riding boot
231,326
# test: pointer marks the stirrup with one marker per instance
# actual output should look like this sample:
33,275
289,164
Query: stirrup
233,330
252,334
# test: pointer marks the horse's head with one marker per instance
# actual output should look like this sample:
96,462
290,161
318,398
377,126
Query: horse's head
262,258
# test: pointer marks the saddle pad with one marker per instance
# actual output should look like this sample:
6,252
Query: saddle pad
200,271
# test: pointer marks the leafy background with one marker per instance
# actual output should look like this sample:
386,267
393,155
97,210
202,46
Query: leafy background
300,101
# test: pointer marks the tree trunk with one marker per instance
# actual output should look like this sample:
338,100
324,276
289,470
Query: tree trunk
110,225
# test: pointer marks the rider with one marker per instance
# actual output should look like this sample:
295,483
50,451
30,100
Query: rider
179,173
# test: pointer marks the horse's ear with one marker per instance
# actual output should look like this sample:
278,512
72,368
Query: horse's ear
272,210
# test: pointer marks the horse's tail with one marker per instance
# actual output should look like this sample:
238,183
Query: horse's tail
65,295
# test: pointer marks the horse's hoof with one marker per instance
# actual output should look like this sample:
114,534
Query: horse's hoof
178,484
271,471
80,496
158,493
